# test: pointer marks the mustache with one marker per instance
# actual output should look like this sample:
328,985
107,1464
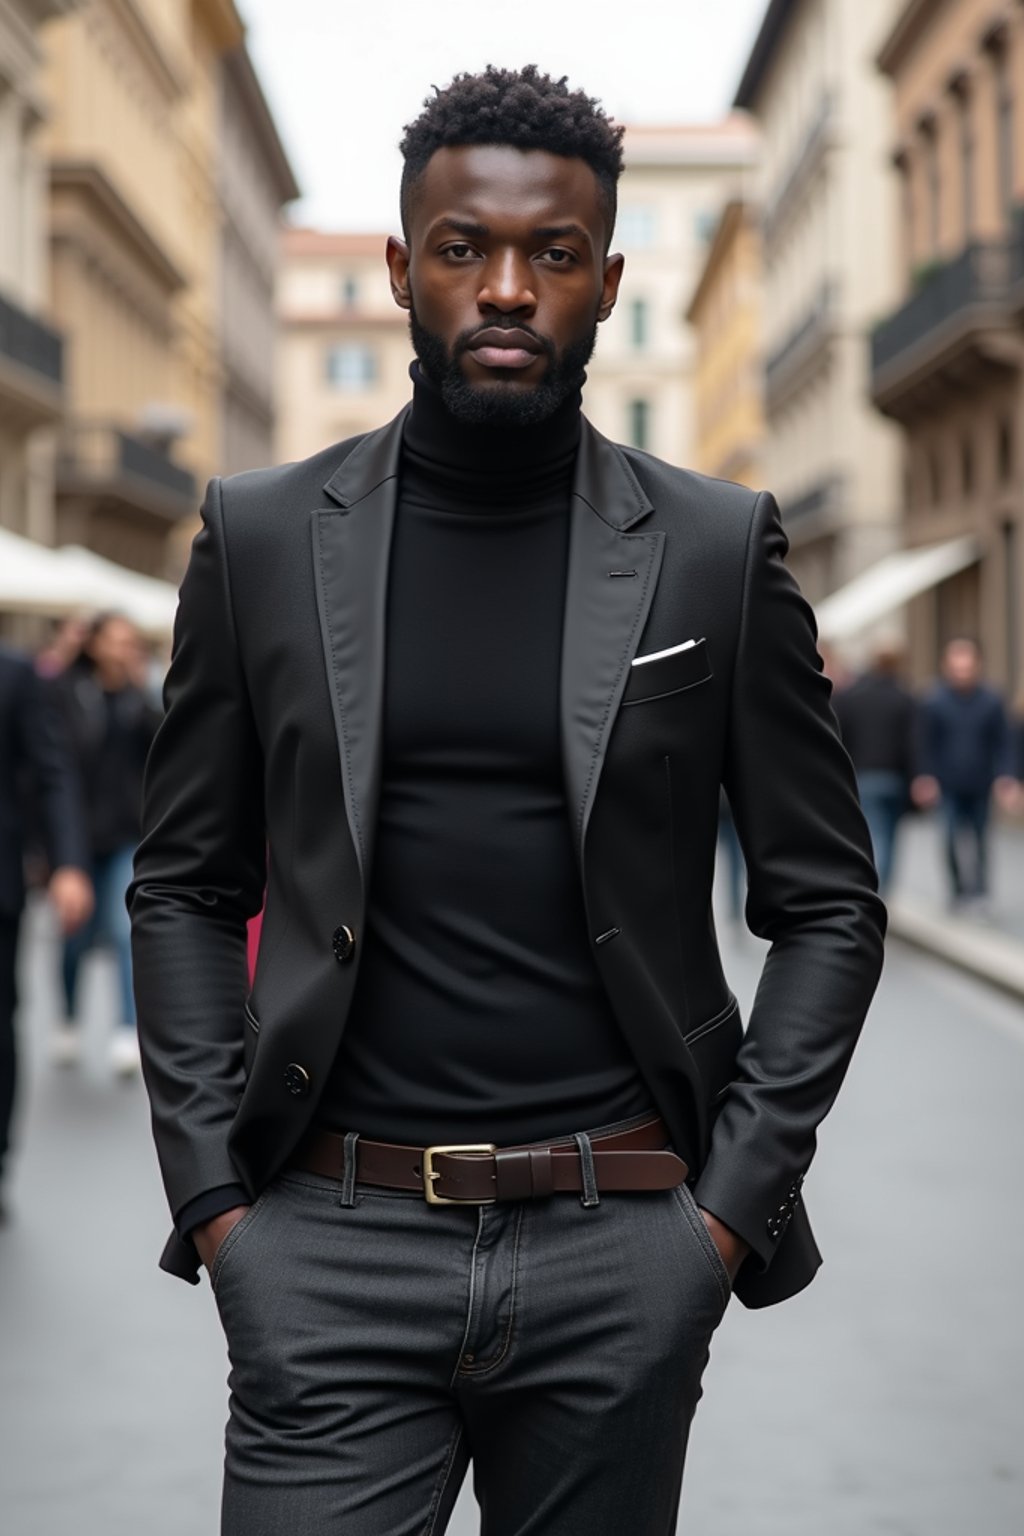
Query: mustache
465,339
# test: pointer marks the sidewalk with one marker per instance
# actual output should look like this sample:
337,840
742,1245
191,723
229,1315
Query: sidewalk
991,948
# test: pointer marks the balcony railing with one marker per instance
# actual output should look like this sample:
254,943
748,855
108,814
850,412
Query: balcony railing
802,342
109,459
32,345
808,152
979,277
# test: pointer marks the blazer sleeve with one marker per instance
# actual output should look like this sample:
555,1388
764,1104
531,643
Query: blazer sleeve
812,892
199,877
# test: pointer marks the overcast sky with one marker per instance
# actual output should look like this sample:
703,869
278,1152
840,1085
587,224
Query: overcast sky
344,76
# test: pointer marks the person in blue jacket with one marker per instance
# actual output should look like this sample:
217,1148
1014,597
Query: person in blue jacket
966,749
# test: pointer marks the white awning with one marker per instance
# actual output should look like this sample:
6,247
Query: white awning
37,579
886,586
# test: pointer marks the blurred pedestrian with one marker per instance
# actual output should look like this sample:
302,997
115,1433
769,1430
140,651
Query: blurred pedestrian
64,645
34,752
877,717
966,752
111,724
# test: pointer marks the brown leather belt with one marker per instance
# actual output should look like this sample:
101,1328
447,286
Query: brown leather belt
630,1160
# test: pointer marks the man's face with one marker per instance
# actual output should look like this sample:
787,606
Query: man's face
505,278
961,665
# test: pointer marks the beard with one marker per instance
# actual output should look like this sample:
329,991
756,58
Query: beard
502,404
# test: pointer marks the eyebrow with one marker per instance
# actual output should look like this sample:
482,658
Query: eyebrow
474,231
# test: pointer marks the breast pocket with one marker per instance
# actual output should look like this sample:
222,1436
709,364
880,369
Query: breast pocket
668,674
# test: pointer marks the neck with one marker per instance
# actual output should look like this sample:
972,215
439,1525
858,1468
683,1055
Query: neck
506,461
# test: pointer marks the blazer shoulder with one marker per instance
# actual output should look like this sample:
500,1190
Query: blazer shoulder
676,490
299,482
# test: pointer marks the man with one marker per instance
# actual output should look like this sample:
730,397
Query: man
35,760
476,679
877,717
111,724
966,753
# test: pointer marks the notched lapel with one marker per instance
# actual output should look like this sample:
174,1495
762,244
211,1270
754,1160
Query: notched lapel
604,614
351,552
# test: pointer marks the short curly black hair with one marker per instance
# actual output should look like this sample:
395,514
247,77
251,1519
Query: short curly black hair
521,107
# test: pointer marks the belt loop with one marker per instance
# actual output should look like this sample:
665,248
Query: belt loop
348,1169
590,1196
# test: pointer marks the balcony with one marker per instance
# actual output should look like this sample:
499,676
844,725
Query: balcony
786,197
954,335
789,364
31,370
105,465
818,511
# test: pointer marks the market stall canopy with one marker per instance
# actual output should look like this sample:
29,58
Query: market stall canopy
52,582
883,588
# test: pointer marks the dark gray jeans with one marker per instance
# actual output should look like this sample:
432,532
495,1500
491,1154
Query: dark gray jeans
376,1348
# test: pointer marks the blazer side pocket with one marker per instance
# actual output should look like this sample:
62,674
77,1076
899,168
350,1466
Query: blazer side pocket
668,675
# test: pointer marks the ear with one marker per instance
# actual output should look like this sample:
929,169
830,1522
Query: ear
613,266
397,257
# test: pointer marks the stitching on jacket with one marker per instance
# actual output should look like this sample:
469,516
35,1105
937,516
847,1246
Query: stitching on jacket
641,610
335,673
709,1024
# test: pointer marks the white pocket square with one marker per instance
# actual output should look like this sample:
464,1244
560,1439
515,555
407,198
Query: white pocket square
687,645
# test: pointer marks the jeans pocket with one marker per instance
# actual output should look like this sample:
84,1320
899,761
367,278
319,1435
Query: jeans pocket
698,1226
230,1242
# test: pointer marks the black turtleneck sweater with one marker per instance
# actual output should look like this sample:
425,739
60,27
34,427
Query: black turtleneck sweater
478,1013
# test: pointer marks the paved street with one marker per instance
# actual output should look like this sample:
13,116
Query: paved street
887,1398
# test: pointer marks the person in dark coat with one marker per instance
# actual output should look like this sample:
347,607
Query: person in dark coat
877,716
966,753
112,723
34,755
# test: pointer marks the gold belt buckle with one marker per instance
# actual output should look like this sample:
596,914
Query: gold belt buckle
432,1174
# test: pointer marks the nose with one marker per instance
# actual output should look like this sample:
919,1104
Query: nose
507,284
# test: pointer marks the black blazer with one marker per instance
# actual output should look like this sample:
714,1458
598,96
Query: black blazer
273,735
37,771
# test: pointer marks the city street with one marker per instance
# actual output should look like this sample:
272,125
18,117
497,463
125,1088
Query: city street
886,1398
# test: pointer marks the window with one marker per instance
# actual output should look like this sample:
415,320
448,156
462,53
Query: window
640,423
934,193
1004,452
349,291
967,165
1004,109
934,478
704,224
351,366
636,227
638,323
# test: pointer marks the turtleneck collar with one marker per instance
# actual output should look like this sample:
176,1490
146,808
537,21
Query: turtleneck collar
501,465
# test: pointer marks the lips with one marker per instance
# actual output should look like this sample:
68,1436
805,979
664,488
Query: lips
497,348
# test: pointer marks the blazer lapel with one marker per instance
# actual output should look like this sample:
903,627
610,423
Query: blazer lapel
611,581
351,549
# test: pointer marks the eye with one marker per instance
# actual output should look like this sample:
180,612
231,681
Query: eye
458,251
559,256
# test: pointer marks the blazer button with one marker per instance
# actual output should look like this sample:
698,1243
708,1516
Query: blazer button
296,1080
343,942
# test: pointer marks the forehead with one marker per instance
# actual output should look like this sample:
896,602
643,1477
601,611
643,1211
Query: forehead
492,183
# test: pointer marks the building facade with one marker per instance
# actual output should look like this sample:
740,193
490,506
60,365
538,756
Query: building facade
345,348
255,181
166,177
726,318
828,199
31,350
948,358
640,386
